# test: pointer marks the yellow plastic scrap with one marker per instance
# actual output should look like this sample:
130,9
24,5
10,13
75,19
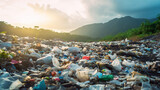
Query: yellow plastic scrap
19,51
107,57
135,73
38,45
27,78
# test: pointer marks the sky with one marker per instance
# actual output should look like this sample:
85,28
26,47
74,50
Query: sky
67,15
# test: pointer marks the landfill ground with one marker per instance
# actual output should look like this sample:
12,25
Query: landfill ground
36,64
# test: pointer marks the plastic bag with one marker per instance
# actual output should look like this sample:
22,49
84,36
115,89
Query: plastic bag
40,86
117,82
84,49
129,64
45,60
75,66
5,83
64,47
145,83
73,49
112,57
35,55
4,75
55,62
57,50
98,74
15,85
96,87
82,76
5,44
117,65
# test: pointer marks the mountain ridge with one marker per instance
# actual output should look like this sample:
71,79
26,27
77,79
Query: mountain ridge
112,27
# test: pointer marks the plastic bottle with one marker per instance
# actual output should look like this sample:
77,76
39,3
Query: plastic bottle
106,78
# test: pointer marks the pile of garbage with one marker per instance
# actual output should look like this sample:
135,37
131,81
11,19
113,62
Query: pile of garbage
37,64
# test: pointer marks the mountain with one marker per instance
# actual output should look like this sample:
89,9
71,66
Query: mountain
111,27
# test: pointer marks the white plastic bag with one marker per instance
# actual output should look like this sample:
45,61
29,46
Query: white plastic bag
128,64
117,65
56,50
82,76
55,62
64,47
84,49
15,85
113,56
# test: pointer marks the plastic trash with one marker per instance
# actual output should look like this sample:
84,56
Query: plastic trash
86,57
106,78
116,82
75,66
53,73
45,60
40,86
15,62
84,49
5,44
98,74
145,83
129,64
25,72
5,74
107,57
106,71
73,49
117,65
112,57
82,76
5,83
31,51
57,50
64,47
35,55
15,85
96,87
55,62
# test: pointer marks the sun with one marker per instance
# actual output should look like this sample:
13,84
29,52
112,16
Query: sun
32,19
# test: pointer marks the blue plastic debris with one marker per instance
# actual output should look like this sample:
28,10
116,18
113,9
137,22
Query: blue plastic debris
40,86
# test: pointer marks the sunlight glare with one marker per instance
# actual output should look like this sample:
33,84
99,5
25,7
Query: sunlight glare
32,19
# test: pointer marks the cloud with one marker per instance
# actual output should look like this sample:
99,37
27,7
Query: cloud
137,8
57,19
101,10
66,15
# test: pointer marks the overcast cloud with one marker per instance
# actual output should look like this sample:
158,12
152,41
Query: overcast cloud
67,15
